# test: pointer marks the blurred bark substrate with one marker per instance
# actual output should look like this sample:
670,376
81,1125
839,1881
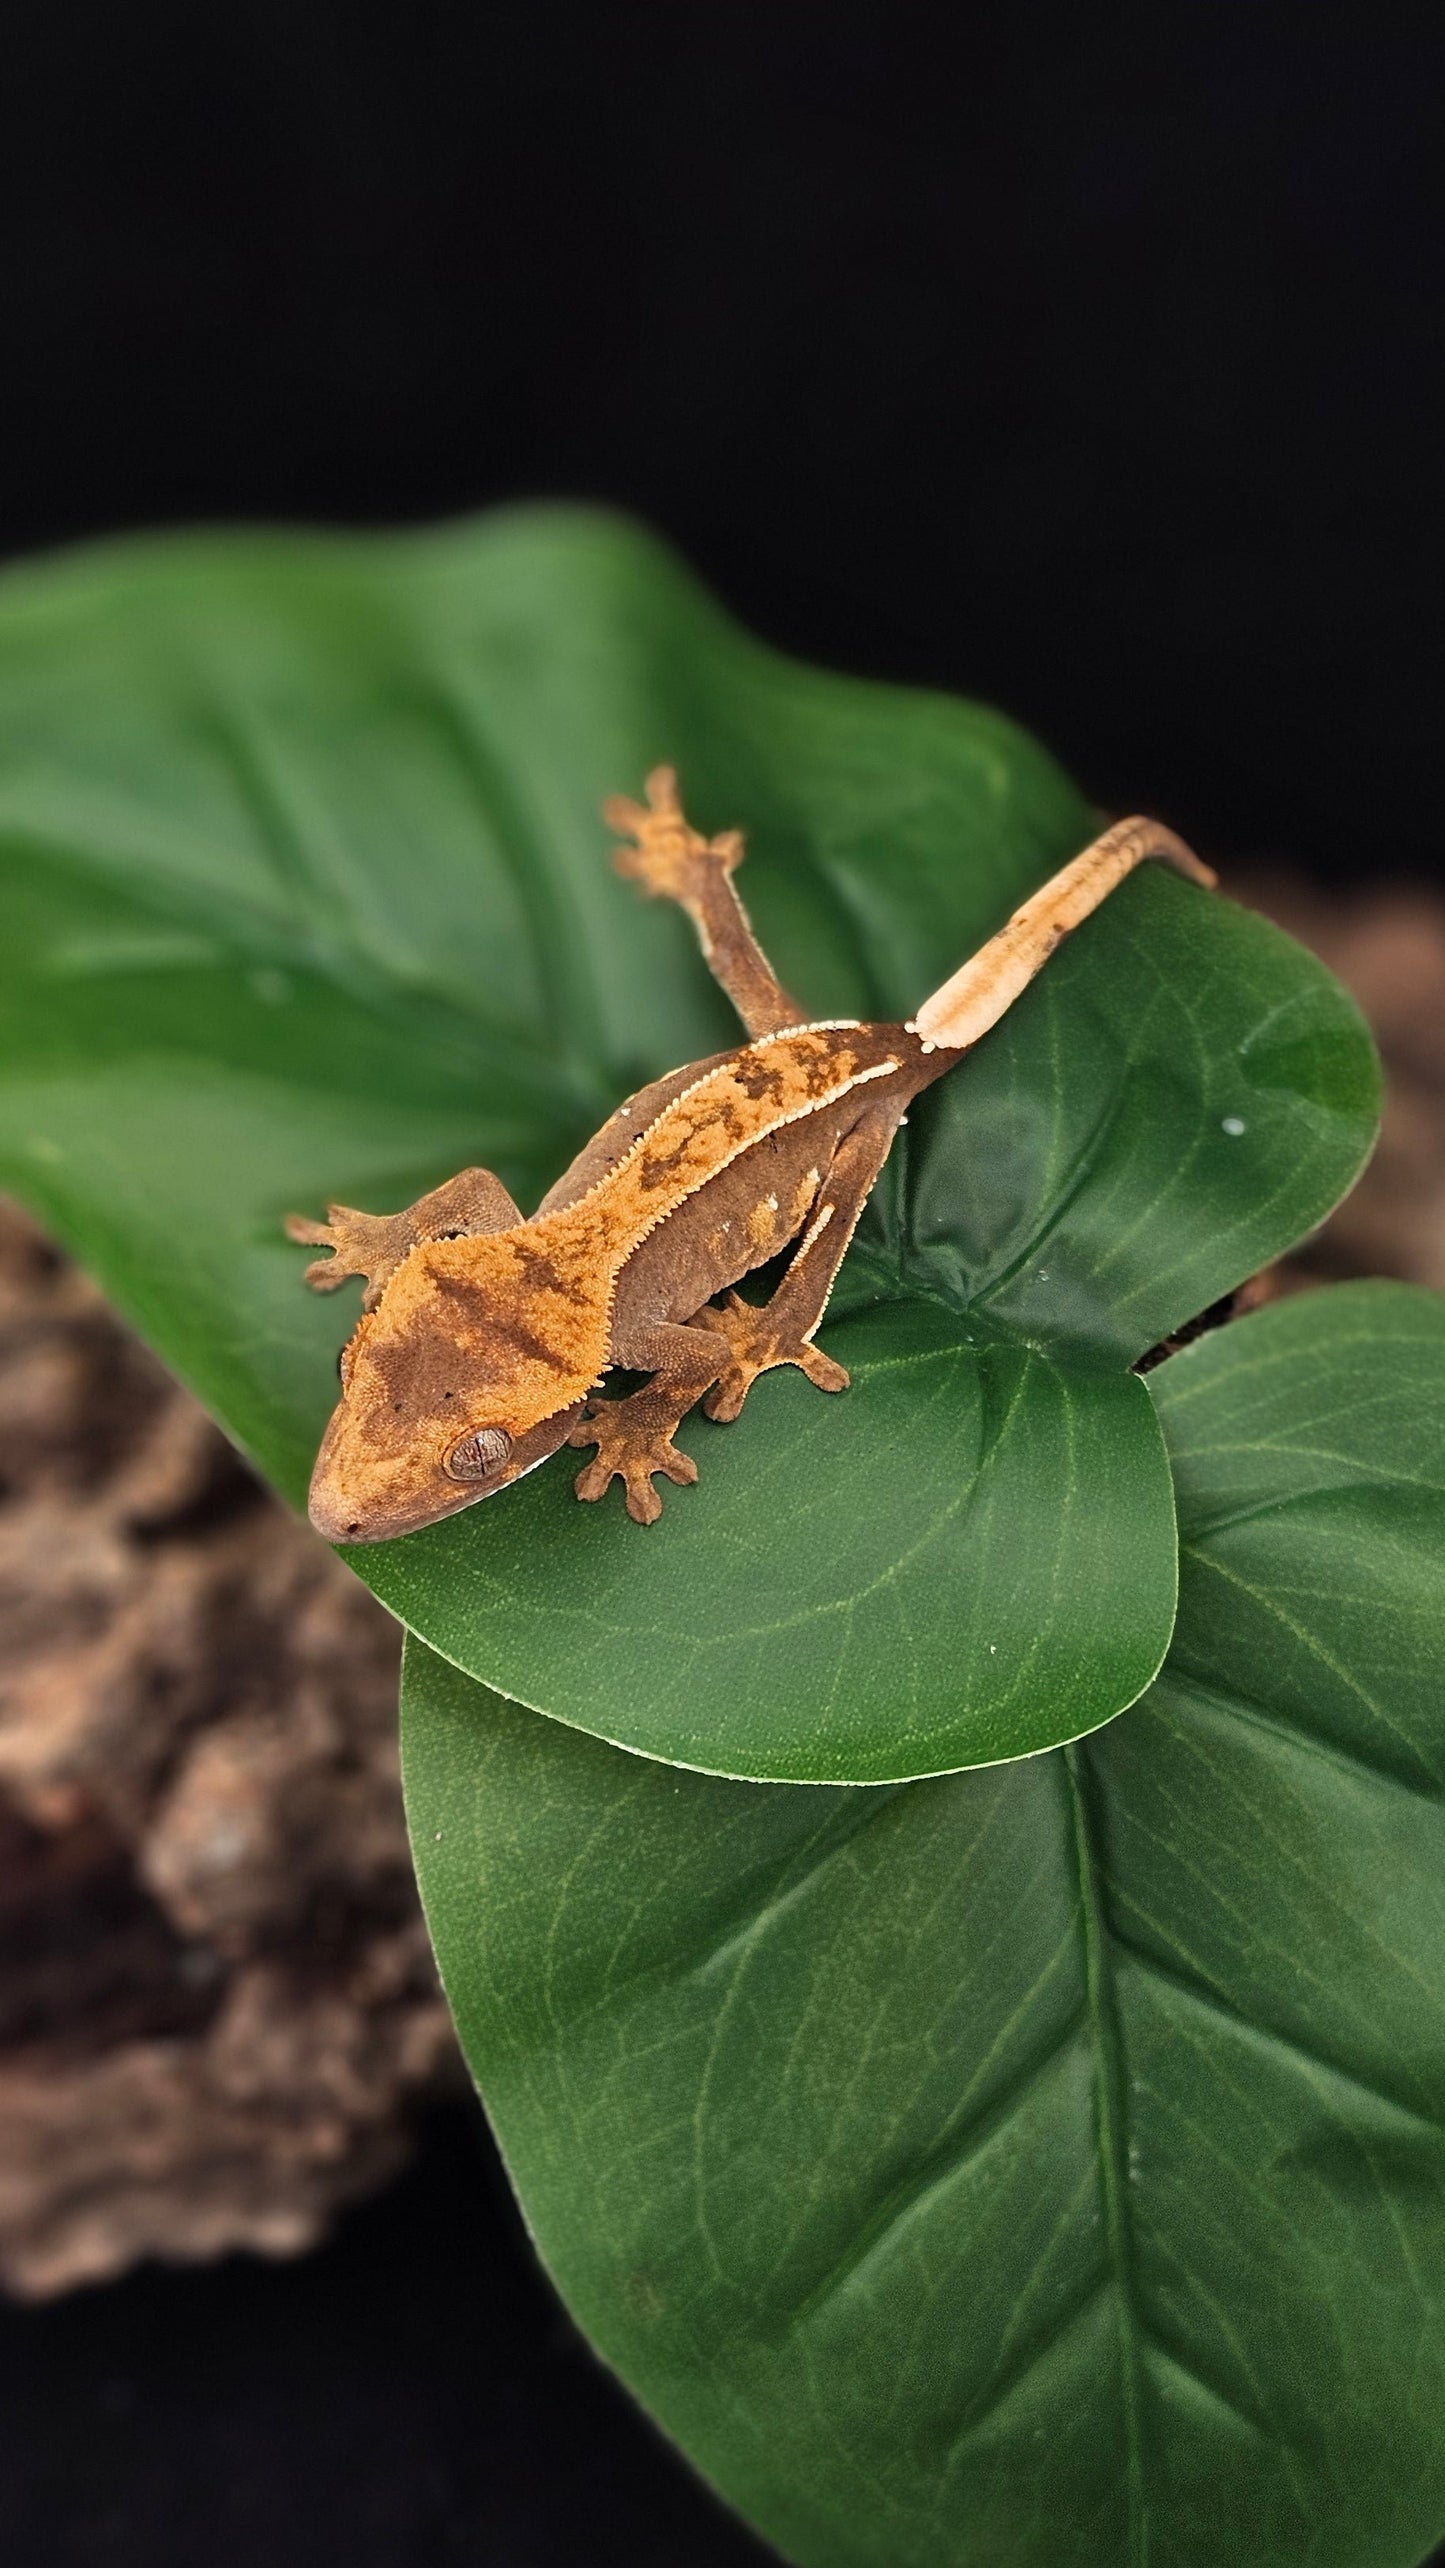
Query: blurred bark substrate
217,2007
217,2012
1388,947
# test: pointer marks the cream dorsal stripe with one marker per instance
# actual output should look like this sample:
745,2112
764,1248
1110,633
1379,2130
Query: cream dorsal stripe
620,1215
986,986
610,1212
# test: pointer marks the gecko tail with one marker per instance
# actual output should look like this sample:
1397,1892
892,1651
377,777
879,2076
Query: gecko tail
986,986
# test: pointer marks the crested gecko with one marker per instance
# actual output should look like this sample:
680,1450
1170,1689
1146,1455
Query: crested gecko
484,1334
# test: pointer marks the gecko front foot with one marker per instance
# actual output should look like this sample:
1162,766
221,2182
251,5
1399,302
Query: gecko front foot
630,1448
368,1244
669,858
758,1345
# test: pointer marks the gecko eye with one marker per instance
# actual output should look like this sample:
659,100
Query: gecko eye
479,1454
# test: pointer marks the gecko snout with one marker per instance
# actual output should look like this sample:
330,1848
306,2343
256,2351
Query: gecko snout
363,1492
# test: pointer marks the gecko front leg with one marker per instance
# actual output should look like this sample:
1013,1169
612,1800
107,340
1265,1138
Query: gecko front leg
673,861
781,1331
374,1244
633,1436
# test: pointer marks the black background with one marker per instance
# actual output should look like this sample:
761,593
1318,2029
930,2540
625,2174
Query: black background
1082,359
410,2397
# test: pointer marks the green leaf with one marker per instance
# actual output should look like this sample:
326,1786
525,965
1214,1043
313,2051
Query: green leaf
997,1563
304,894
1044,2164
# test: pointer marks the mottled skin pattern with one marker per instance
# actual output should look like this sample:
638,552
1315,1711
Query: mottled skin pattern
484,1335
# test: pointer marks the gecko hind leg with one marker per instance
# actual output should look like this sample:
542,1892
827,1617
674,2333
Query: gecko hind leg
673,861
760,1344
374,1244
761,1337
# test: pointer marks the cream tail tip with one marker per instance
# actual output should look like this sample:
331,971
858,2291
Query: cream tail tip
985,987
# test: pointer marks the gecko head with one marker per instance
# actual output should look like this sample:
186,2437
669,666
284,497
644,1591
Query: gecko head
470,1371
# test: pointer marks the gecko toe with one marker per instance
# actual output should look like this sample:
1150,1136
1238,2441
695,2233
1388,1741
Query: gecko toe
324,1274
306,1233
821,1369
643,1503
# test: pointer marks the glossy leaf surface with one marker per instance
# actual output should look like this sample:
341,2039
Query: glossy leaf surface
304,895
1042,2164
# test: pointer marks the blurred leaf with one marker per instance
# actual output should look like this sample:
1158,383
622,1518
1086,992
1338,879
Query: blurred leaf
304,894
1044,2164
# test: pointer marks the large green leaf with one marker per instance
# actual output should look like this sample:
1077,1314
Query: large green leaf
1045,2164
304,893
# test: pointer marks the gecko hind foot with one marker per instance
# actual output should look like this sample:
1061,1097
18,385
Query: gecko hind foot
759,1346
629,1450
669,858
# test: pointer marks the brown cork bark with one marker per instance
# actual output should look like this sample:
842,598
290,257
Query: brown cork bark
1388,947
217,2009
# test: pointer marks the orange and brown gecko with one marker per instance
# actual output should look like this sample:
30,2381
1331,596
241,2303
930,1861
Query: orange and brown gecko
484,1333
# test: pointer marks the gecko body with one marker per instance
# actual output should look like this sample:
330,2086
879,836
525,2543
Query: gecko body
485,1334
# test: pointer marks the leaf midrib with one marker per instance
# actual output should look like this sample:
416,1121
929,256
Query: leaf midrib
1110,2088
